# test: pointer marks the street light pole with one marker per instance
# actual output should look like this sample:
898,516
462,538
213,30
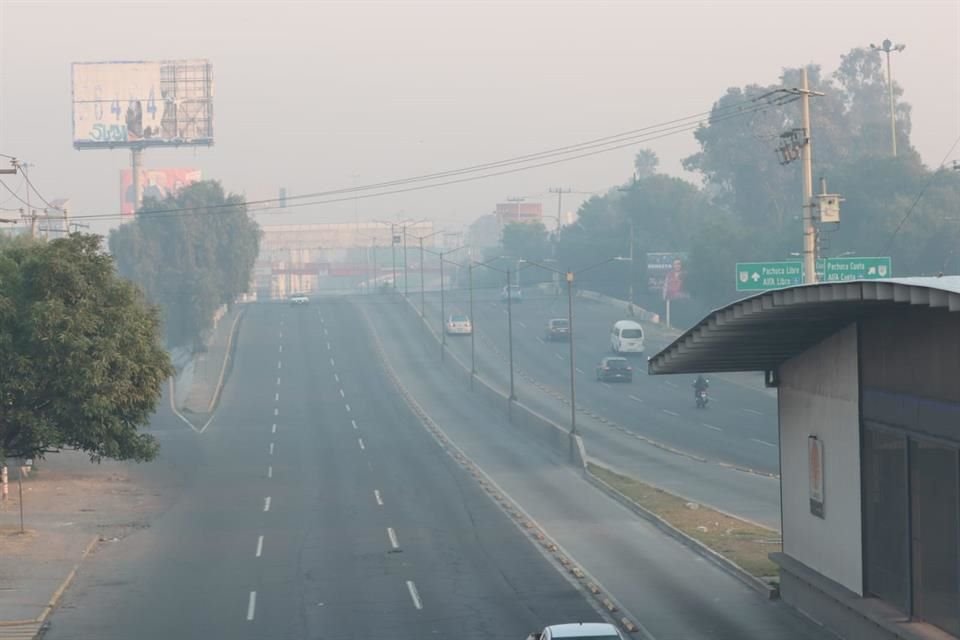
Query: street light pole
406,271
443,322
573,389
513,395
393,253
473,364
421,280
888,47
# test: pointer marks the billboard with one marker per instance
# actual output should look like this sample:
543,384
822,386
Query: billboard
142,104
157,183
665,275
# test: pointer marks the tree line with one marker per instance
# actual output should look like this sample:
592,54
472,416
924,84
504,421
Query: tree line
746,204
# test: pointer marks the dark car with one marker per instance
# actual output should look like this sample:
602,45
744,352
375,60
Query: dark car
558,329
617,369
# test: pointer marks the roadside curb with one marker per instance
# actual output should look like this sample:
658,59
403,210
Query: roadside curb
29,628
768,591
215,398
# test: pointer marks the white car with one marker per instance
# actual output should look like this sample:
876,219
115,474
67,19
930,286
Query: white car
582,630
626,336
295,300
459,325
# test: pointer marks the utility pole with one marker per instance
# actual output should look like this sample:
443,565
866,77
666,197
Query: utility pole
631,272
809,231
30,212
888,47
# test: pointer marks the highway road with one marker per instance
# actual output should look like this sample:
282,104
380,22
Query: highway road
671,591
315,505
738,427
736,432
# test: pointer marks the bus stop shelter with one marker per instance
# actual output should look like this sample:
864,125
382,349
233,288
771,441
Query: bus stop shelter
868,380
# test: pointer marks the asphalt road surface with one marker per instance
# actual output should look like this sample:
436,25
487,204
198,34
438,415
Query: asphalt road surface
315,505
736,432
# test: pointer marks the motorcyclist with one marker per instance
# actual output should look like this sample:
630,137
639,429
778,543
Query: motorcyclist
701,384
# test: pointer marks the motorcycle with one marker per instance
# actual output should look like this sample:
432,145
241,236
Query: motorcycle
702,398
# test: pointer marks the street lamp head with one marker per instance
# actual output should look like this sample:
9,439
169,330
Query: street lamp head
887,44
900,47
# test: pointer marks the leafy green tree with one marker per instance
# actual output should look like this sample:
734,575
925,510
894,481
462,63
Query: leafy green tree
81,363
191,253
526,240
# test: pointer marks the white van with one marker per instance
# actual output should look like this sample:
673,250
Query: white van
626,336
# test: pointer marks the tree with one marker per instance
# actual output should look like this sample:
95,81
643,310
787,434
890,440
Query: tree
81,363
526,240
190,253
645,164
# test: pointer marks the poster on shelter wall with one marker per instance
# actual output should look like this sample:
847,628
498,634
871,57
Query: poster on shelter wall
815,469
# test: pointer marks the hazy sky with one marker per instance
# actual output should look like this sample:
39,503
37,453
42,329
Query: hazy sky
320,95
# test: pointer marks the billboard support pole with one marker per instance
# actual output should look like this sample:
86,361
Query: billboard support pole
136,166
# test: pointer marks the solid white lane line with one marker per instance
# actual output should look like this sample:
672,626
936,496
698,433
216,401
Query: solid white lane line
376,494
579,370
266,503
764,442
252,605
754,411
332,363
636,399
670,413
348,407
271,448
270,471
279,364
354,423
273,429
414,595
710,426
276,397
259,546
393,538
276,411
520,322
341,394
559,357
362,447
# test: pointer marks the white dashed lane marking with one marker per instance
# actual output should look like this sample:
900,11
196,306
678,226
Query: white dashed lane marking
393,538
270,472
754,412
341,394
710,426
271,448
362,446
252,605
764,442
354,423
273,429
636,399
259,546
266,503
414,595
348,407
670,413
376,494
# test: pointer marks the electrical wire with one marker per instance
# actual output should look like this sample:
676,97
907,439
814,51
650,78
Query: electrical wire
920,195
38,194
326,199
14,193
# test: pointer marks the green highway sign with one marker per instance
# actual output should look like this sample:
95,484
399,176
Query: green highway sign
760,276
842,269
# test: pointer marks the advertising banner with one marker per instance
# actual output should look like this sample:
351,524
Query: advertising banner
142,104
157,183
665,275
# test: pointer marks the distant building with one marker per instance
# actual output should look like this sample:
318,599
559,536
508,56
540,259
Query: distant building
484,232
526,212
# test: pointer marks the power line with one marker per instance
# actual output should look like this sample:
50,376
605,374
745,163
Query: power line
326,199
916,200
11,197
38,194
14,193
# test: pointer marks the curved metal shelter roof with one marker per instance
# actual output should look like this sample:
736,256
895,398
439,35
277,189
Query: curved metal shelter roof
761,332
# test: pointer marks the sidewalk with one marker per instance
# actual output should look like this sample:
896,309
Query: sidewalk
70,507
198,385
